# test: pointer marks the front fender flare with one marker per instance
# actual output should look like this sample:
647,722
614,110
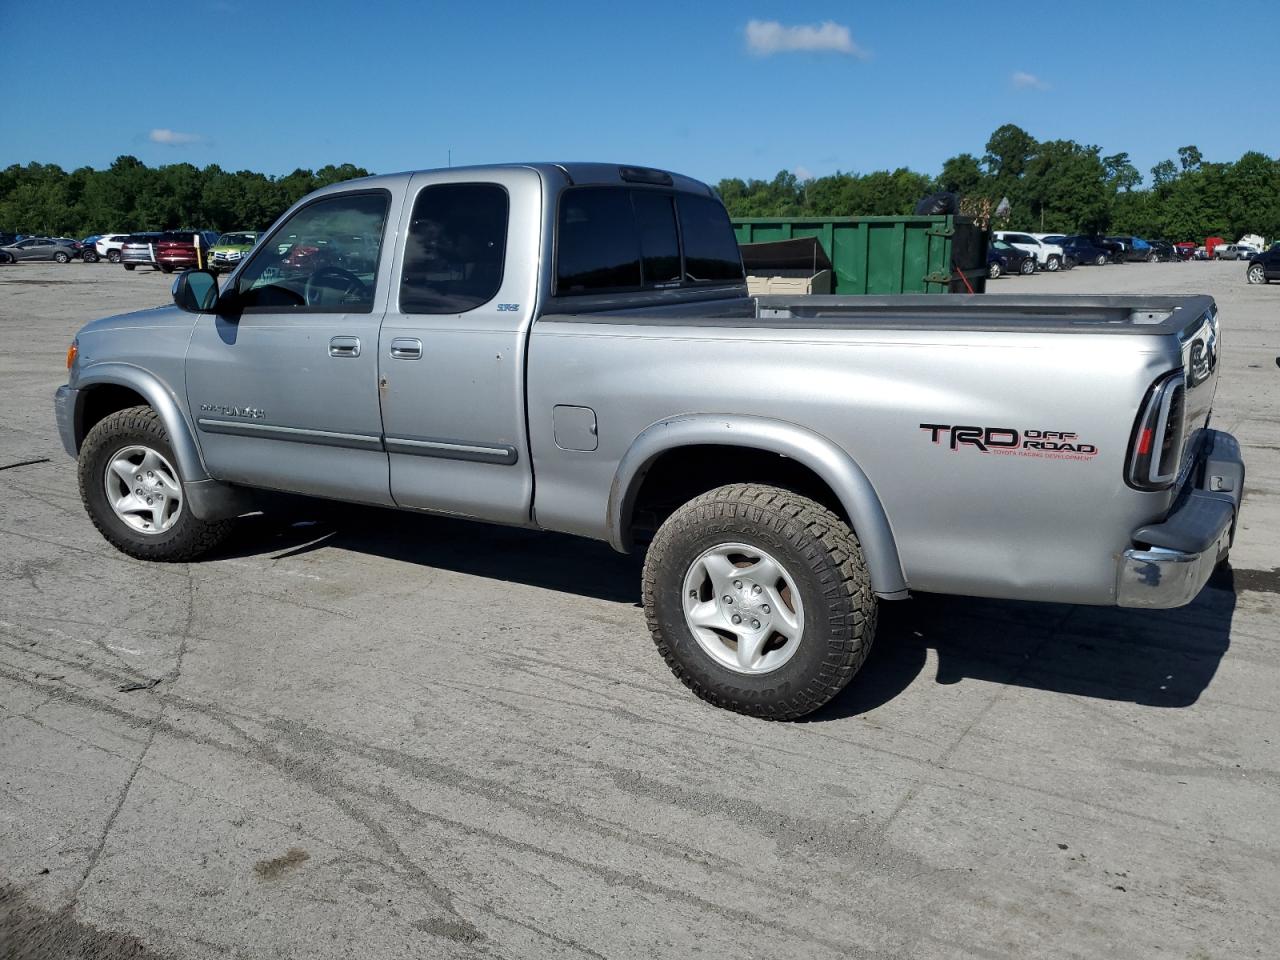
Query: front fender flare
158,396
831,463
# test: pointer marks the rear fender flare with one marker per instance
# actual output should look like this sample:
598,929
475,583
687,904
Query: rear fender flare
827,460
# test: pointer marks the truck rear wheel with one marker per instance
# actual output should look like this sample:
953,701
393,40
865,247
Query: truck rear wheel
133,492
759,600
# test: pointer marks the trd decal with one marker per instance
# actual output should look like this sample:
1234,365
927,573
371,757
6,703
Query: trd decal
1053,444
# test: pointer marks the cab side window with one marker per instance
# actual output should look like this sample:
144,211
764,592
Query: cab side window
456,249
323,259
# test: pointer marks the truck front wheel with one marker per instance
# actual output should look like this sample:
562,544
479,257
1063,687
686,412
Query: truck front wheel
759,600
133,492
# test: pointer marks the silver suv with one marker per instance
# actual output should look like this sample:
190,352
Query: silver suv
139,250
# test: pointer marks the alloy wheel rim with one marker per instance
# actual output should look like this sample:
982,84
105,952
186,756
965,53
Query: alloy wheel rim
143,489
744,608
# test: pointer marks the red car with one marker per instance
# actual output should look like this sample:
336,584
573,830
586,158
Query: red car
183,249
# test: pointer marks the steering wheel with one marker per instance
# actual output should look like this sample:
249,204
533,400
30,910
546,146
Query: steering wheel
349,285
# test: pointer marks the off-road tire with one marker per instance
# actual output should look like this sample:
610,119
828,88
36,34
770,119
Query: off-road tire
187,539
823,557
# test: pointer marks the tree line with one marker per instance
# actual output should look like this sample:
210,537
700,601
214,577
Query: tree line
1052,185
129,195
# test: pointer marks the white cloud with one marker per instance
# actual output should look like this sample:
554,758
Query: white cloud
1027,81
172,138
803,173
767,37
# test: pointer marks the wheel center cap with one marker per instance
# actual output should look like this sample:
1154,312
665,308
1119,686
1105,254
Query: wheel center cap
751,606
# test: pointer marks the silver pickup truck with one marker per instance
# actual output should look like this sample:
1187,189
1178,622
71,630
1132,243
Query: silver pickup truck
571,347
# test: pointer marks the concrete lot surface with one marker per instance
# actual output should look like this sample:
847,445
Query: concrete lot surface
366,734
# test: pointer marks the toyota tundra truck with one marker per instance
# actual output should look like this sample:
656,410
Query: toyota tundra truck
571,347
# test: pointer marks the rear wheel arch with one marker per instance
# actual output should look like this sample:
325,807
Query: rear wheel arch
738,449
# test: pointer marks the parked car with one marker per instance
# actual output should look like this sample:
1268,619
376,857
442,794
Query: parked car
1163,251
1048,256
1201,253
139,250
1131,249
1232,251
108,246
1264,267
183,249
230,248
40,248
1082,249
1008,259
588,395
1186,250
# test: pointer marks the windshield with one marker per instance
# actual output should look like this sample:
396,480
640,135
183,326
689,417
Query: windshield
237,239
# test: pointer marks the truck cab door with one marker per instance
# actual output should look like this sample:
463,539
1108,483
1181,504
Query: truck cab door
284,388
452,346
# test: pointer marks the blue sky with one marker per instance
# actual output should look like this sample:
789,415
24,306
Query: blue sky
272,86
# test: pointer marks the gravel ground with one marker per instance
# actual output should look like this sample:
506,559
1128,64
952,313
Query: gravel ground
376,735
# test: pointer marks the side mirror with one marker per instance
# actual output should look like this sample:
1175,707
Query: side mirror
196,291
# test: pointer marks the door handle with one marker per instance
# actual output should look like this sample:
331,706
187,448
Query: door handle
344,347
406,348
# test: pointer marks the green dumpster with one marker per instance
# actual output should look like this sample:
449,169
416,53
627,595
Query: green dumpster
882,255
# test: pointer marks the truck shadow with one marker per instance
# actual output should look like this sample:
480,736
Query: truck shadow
549,560
1160,658
1163,658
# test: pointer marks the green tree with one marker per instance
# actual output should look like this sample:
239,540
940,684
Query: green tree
1008,151
962,174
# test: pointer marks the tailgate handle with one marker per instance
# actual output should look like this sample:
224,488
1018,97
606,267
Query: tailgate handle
344,347
406,348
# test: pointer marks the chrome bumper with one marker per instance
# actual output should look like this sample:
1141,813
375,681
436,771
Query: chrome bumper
64,412
1171,561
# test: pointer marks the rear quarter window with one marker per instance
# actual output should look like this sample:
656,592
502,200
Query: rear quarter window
456,249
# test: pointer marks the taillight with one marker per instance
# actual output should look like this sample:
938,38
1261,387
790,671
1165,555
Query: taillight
1156,447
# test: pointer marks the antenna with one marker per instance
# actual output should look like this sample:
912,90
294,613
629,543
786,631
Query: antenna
451,156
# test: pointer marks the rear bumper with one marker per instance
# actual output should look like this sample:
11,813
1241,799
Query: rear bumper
1170,562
